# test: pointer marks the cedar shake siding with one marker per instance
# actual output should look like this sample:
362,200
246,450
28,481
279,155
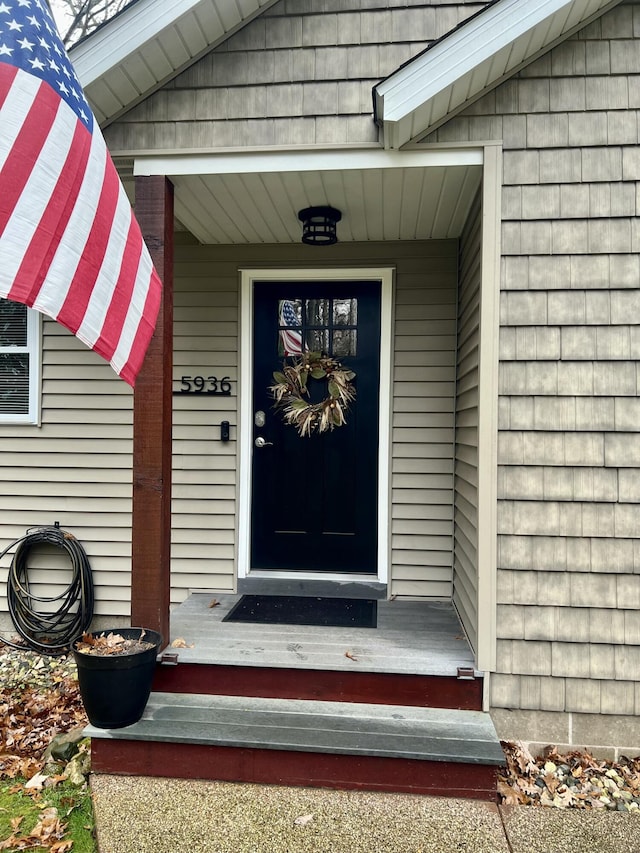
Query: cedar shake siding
569,447
300,73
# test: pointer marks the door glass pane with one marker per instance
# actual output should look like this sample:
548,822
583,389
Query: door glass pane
13,324
344,342
290,312
317,313
317,340
345,312
290,327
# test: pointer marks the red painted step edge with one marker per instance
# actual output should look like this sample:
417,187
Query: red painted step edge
298,769
332,686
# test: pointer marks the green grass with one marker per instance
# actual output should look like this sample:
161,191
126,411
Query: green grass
74,809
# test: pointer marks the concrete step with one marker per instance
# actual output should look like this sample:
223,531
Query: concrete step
304,742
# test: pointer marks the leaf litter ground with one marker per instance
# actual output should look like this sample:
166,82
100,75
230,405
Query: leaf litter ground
44,801
572,780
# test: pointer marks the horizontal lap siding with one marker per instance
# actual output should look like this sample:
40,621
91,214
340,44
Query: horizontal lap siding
204,468
465,579
423,399
204,505
74,469
300,73
569,454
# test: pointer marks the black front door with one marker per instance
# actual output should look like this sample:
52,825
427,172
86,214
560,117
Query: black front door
314,504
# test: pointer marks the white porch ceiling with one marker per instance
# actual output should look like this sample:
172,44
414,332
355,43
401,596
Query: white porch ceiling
381,197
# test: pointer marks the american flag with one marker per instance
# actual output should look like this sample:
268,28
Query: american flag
291,339
70,246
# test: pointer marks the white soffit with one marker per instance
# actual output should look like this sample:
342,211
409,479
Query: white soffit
150,42
383,195
473,59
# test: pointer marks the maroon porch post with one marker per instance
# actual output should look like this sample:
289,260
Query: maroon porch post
152,420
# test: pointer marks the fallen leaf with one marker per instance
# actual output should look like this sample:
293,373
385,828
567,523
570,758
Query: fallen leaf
303,820
213,603
573,780
61,846
510,794
36,782
181,643
350,655
112,644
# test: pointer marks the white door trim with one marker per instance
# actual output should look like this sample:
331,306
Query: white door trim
385,275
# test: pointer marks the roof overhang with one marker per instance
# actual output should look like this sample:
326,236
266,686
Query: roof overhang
254,197
148,43
473,59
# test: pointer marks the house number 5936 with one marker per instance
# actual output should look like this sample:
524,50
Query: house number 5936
205,385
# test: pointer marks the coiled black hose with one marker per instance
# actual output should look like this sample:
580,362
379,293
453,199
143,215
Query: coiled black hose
49,631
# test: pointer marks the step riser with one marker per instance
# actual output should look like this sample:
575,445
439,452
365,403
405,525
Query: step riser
369,687
298,769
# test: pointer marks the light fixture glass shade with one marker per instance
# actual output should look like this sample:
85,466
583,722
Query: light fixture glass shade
319,225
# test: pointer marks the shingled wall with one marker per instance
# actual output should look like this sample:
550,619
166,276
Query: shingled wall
569,446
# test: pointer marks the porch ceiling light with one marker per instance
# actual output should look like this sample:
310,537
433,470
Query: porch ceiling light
319,225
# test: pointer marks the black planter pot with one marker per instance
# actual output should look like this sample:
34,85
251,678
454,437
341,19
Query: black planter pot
115,688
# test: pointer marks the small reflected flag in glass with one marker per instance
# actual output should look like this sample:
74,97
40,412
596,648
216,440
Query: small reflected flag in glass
291,339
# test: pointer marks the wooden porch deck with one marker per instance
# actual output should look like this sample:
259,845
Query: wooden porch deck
411,638
396,707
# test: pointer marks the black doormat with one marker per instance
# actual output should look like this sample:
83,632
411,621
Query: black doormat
301,610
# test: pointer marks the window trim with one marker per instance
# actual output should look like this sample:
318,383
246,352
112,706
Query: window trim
34,349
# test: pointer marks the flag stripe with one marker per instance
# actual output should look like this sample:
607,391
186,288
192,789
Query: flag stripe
7,76
120,298
69,243
77,228
116,265
59,204
14,107
44,200
136,340
143,306
25,147
74,309
139,324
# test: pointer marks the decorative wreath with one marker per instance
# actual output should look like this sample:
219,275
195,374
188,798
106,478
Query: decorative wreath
290,391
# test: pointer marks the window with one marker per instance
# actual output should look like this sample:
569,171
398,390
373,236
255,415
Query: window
19,363
323,325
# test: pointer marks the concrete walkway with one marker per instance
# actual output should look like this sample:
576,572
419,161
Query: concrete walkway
142,815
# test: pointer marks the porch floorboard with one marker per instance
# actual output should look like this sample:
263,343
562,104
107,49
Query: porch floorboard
412,637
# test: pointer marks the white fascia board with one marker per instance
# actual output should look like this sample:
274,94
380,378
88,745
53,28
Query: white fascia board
127,32
303,161
459,53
